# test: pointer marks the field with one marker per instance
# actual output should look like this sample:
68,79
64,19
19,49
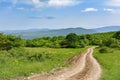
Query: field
110,63
24,61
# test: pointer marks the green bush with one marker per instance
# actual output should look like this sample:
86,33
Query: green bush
105,50
38,57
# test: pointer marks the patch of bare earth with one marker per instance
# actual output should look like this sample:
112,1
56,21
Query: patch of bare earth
91,71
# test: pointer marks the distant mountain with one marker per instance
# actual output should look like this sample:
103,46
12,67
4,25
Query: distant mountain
107,29
36,33
23,31
50,33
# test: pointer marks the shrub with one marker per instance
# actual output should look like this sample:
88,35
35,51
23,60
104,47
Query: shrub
105,50
38,57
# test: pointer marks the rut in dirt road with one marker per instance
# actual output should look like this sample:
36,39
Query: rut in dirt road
92,70
85,67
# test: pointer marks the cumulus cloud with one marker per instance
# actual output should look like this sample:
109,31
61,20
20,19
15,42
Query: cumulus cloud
55,3
115,3
45,3
62,2
90,10
38,3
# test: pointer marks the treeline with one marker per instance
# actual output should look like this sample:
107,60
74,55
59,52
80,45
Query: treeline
72,40
9,41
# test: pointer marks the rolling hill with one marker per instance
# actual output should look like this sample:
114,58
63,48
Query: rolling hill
35,33
50,33
107,29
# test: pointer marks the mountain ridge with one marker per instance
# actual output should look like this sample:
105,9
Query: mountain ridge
35,33
107,28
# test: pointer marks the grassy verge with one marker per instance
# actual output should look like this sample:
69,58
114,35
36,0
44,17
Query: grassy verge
110,63
24,61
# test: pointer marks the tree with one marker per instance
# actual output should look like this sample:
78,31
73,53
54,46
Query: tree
5,43
16,41
117,35
72,40
112,42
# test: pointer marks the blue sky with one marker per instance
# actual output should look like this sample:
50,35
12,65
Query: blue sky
54,14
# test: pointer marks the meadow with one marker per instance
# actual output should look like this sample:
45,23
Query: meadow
24,61
19,57
110,64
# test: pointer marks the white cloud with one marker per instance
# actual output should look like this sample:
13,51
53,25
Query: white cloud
108,9
90,10
38,3
54,3
115,3
62,2
45,3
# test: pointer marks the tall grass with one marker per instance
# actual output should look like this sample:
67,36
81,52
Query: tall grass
110,63
24,61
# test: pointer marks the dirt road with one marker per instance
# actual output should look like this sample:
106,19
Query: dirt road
85,67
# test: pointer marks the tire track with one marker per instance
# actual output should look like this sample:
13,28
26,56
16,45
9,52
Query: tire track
85,67
92,70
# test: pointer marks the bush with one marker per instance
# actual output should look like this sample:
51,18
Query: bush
17,52
38,56
105,50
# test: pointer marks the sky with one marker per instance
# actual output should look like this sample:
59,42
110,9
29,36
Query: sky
55,14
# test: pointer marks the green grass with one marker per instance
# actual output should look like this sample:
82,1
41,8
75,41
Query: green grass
110,63
23,62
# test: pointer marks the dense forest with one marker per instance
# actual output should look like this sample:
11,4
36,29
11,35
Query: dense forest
72,40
